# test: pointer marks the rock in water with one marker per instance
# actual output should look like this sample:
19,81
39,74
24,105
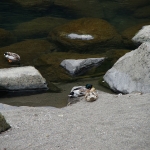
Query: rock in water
21,78
80,66
131,73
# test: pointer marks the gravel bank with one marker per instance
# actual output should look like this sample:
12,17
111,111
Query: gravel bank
111,123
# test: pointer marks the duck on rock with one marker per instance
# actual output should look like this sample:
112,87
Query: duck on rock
12,57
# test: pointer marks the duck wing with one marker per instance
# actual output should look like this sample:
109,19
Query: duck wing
15,56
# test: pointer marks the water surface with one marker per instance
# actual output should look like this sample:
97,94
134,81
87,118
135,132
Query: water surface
12,14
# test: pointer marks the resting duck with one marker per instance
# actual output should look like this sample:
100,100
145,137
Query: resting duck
90,87
12,57
77,92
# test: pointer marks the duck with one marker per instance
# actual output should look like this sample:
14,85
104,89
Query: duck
12,57
77,92
90,87
74,94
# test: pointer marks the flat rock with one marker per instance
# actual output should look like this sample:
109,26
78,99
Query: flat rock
80,66
21,78
131,73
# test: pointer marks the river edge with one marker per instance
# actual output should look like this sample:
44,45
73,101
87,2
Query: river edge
51,99
112,122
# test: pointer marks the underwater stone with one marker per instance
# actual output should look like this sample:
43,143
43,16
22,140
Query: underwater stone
86,35
3,124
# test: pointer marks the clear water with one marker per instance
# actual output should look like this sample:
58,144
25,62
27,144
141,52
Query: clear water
12,14
119,13
49,99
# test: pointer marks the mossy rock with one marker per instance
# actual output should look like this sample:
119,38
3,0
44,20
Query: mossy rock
3,124
39,53
143,12
49,64
39,27
6,38
104,36
28,51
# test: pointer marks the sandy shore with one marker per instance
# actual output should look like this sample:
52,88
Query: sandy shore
111,123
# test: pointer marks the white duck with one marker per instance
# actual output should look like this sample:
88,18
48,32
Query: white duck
12,57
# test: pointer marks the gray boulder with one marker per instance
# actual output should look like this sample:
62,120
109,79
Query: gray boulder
21,78
131,73
143,35
80,66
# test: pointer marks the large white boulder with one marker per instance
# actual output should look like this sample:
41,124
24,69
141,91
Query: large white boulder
131,73
21,78
143,35
80,66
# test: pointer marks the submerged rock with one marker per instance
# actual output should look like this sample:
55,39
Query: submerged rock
6,38
37,28
132,5
131,73
49,65
21,78
28,50
85,35
142,12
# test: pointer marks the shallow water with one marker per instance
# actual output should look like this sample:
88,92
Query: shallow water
50,99
12,14
119,13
